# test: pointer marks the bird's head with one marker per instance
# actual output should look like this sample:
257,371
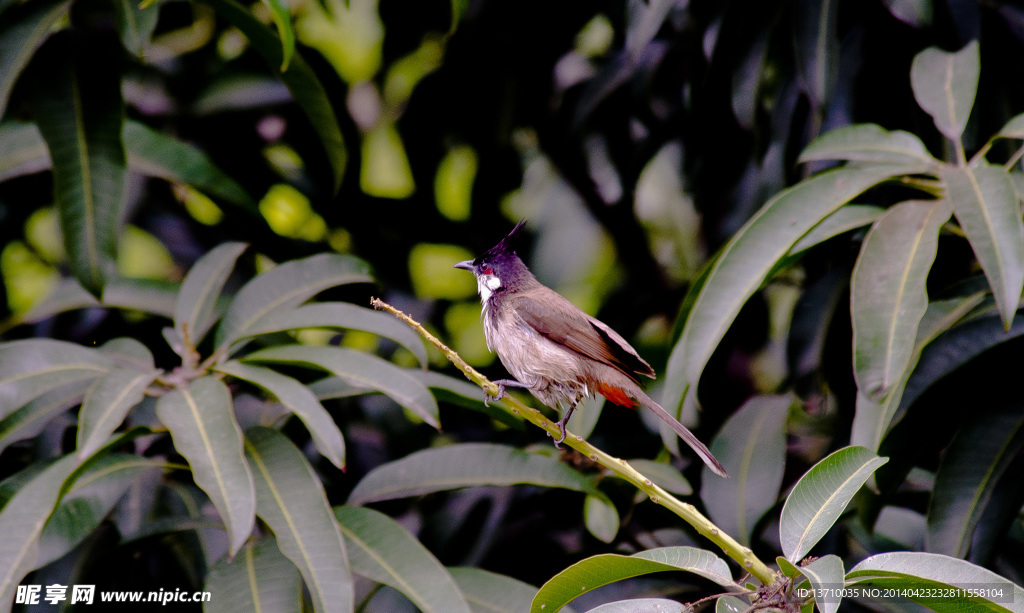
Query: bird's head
499,267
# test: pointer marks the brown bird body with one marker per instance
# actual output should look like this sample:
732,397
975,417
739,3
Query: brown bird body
558,352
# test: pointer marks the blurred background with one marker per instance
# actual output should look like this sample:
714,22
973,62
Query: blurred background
636,137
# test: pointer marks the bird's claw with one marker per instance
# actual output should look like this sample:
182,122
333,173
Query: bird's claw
499,396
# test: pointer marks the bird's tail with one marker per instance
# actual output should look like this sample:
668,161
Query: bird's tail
684,433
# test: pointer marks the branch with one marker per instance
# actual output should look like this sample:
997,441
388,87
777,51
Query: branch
620,467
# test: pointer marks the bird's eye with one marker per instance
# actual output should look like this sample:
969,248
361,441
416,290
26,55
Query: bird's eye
488,270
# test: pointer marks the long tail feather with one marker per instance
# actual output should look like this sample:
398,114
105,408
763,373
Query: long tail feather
684,433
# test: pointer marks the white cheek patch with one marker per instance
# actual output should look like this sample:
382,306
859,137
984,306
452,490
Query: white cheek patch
486,284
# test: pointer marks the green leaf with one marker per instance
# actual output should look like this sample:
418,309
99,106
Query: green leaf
601,518
79,112
599,570
194,310
259,578
203,427
291,500
24,150
300,79
89,500
820,496
917,13
752,447
30,368
873,418
107,404
158,155
731,604
945,85
816,43
280,13
888,297
299,400
868,142
381,550
927,572
849,217
647,605
128,353
342,315
360,369
22,30
488,592
985,204
147,295
827,577
30,419
973,467
287,285
1013,128
744,263
21,522
135,23
466,465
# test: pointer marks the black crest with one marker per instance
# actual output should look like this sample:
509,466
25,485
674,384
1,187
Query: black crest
507,244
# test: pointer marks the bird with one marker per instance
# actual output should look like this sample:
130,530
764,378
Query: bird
554,349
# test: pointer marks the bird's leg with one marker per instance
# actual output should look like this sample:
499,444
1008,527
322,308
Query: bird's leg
502,384
563,421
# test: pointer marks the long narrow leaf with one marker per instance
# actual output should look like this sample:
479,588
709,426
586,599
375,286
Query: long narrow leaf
873,418
204,430
752,447
820,496
89,500
79,112
603,569
930,579
466,465
24,150
302,82
22,520
259,578
360,369
488,592
945,85
986,206
743,264
342,315
106,406
380,549
888,296
287,285
970,473
868,142
826,576
22,29
291,500
158,155
849,217
299,400
32,367
30,419
194,309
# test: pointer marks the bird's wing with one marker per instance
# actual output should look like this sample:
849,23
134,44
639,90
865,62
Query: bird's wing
561,321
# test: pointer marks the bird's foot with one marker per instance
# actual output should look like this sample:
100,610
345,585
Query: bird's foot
501,383
498,396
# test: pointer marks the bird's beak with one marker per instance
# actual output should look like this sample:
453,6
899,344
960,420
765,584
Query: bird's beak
466,265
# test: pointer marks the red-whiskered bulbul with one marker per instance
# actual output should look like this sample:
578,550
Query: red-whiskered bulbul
554,349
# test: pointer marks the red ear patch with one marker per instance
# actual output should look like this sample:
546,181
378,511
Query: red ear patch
615,395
